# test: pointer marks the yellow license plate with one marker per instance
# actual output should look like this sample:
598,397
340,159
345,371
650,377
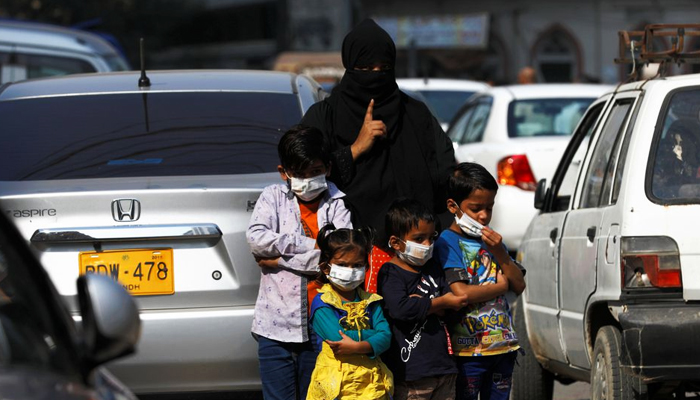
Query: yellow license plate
141,272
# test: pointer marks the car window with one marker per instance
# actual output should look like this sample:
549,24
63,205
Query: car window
474,131
445,103
599,168
16,66
676,161
458,128
545,117
621,162
129,135
565,188
30,332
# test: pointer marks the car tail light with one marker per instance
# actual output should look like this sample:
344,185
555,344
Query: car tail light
650,261
515,170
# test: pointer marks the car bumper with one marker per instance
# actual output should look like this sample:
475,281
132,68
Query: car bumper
193,350
661,342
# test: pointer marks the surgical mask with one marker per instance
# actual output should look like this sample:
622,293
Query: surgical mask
346,278
309,188
416,254
469,226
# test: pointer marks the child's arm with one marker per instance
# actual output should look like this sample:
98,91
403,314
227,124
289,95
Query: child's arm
494,242
263,231
398,304
273,249
448,301
479,293
325,323
402,306
449,255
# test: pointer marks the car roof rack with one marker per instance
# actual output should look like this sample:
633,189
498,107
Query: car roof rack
638,47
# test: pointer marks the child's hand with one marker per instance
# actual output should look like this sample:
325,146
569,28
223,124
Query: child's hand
344,346
272,262
494,243
456,302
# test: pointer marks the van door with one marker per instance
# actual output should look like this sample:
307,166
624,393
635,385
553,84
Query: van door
540,247
583,230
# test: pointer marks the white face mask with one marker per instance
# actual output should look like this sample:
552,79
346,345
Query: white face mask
469,226
346,278
309,188
416,254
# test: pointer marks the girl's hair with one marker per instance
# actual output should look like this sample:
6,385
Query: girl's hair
332,241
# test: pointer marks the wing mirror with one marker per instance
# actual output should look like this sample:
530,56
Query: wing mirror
111,325
540,194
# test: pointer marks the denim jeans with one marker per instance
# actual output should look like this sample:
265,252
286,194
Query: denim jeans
285,368
488,376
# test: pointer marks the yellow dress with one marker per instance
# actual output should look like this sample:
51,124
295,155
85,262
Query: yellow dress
355,376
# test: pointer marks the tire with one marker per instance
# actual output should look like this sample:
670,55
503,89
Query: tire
530,380
608,381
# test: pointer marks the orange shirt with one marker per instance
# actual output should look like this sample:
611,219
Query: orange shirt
309,217
309,221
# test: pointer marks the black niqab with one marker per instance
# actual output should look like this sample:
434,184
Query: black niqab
365,46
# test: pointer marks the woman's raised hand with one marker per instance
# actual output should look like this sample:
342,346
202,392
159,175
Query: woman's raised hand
371,130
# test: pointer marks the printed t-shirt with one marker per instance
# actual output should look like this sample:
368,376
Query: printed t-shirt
420,347
483,329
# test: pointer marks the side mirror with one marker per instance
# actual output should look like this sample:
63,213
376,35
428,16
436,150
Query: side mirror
540,193
111,322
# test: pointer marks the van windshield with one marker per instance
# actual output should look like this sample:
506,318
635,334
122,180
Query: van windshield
676,173
135,134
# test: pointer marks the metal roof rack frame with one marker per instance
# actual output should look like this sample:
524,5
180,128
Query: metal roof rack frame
637,47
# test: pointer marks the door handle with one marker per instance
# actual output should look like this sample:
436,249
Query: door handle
591,234
553,235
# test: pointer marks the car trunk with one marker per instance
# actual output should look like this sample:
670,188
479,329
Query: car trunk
201,219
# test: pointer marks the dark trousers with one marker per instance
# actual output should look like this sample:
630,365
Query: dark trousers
488,376
285,368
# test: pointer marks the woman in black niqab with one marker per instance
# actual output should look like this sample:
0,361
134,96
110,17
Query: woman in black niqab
413,157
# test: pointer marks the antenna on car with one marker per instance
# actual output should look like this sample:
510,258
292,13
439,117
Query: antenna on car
143,80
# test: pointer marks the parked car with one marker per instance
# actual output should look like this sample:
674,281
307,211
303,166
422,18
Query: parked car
34,50
518,134
154,186
42,354
444,96
613,294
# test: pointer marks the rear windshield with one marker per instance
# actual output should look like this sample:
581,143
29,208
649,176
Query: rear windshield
545,117
676,172
445,103
18,66
156,134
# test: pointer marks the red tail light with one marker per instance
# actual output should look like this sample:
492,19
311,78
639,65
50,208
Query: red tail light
515,171
650,261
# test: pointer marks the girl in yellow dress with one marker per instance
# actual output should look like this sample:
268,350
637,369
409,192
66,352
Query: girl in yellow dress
349,325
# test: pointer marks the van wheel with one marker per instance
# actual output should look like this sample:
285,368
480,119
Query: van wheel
608,382
530,380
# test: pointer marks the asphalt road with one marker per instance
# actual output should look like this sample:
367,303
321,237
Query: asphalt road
574,391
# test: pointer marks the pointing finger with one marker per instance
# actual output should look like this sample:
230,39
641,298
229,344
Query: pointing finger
370,109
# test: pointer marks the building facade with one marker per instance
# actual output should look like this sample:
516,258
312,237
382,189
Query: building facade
563,40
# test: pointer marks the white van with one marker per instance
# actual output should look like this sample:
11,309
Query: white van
34,50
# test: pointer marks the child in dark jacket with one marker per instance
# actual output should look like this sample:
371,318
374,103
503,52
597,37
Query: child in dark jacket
415,296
